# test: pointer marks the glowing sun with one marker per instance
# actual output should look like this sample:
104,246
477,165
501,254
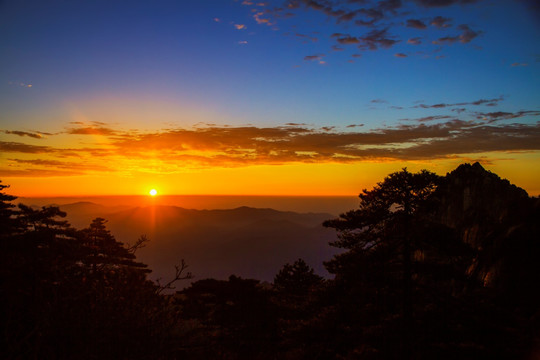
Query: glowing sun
153,192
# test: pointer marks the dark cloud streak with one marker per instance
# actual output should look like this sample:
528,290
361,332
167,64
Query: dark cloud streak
10,147
383,19
416,24
443,3
466,36
487,102
34,135
441,22
377,39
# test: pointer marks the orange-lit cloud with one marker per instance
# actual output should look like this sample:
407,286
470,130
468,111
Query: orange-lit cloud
17,147
38,173
89,149
71,166
91,130
174,150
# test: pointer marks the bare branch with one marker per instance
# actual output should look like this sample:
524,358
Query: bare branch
179,275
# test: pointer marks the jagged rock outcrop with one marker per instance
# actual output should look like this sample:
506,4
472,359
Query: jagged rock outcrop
497,219
477,202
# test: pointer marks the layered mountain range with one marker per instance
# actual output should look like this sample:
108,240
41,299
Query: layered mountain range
244,241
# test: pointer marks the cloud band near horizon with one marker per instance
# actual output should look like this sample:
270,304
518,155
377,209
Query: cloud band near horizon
173,150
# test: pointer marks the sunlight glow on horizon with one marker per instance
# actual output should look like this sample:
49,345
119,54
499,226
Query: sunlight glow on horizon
330,179
153,192
265,118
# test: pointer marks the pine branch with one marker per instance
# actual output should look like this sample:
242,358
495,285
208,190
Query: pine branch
139,244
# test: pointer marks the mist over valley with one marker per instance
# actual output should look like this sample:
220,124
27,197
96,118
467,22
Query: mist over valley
244,241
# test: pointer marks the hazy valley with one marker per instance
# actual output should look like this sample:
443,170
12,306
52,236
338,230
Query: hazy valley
248,242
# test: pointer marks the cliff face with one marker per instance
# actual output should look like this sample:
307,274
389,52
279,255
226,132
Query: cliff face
476,203
497,219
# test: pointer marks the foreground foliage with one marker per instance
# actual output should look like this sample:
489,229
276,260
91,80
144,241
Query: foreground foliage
431,267
75,294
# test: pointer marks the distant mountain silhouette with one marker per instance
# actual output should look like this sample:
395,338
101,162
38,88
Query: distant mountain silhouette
248,242
86,211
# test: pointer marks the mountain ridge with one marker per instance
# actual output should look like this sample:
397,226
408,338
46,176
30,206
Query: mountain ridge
245,241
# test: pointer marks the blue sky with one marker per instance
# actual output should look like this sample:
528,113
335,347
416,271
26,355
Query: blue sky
328,66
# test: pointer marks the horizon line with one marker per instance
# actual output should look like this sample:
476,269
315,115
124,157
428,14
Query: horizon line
169,195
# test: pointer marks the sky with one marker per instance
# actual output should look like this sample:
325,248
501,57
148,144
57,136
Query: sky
283,97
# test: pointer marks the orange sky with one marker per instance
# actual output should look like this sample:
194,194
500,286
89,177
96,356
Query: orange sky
285,179
96,158
243,98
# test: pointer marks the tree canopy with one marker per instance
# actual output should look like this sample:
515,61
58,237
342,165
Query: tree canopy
72,293
430,268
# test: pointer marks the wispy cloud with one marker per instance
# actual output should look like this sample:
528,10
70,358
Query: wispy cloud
371,17
378,39
430,137
486,102
93,129
306,38
259,18
17,147
35,135
78,167
502,115
416,24
377,22
441,22
260,145
317,57
442,3
20,83
430,118
38,173
348,40
466,36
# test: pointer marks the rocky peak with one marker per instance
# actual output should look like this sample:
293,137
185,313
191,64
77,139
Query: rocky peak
475,202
